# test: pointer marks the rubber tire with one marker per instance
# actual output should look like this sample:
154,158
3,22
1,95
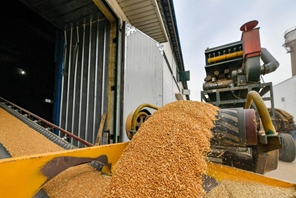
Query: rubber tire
288,152
293,134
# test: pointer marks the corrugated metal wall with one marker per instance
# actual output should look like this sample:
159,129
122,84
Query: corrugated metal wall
85,78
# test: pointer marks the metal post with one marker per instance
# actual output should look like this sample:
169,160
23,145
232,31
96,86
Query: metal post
88,77
63,79
96,82
81,82
75,79
69,76
103,73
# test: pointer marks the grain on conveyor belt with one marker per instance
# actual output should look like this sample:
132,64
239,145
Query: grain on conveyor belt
76,182
20,140
166,156
79,181
244,189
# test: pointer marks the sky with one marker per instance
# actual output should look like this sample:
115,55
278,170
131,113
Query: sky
212,23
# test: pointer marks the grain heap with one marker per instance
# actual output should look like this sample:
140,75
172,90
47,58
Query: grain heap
76,182
243,189
166,156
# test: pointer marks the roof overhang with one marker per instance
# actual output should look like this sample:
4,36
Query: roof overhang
146,16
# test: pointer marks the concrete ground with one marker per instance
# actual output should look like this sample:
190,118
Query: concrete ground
285,171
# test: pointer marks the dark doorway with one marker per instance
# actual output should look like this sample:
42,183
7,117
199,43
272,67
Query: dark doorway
27,67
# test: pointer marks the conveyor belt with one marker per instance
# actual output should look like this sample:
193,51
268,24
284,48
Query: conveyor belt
34,124
5,154
48,134
37,124
23,120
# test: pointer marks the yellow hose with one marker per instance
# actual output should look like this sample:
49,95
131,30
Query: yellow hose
225,56
263,112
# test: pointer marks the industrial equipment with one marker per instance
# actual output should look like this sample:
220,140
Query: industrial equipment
243,137
232,72
236,140
234,69
136,118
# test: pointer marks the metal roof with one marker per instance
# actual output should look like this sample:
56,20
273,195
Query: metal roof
145,15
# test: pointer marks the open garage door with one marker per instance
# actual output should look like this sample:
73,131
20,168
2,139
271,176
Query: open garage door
83,74
85,78
67,72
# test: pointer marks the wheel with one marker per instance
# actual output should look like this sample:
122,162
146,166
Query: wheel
293,134
142,116
235,127
288,150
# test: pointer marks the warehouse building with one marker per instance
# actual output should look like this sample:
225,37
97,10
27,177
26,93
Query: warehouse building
71,62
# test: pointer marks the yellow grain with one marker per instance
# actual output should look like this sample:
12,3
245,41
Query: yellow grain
166,156
20,140
243,189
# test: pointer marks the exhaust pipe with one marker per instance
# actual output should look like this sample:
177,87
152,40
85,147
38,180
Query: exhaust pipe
270,63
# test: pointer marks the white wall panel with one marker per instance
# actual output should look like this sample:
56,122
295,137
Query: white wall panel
143,74
168,51
171,86
285,95
168,90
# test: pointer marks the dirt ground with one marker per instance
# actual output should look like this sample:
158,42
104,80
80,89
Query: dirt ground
285,171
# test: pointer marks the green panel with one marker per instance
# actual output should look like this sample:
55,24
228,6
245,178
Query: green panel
184,75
